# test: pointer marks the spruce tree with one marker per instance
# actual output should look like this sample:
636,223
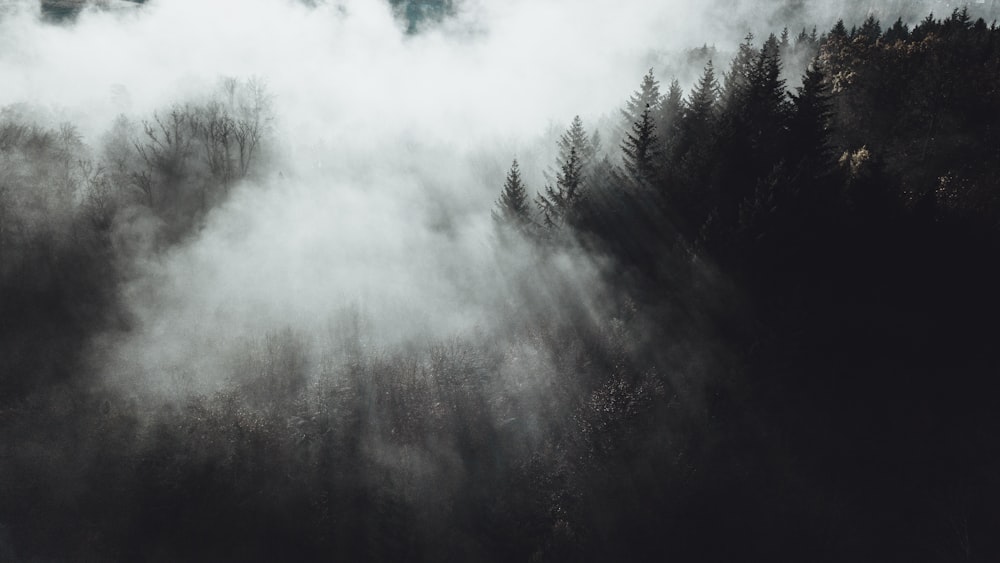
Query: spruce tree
512,208
699,113
871,30
576,138
898,32
767,86
802,39
736,80
670,111
927,27
839,31
559,202
648,95
765,107
702,101
641,150
959,20
596,143
809,127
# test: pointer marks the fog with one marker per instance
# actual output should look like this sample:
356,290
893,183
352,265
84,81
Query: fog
385,151
359,241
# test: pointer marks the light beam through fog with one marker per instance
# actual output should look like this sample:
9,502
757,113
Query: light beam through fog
260,299
386,152
387,149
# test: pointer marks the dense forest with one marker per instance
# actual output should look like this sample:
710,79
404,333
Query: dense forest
781,345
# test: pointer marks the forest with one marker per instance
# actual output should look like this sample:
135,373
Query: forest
750,316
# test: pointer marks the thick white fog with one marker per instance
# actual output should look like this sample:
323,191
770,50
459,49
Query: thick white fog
385,154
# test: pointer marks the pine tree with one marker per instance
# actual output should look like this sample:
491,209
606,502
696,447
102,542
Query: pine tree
959,20
648,95
641,150
765,107
735,81
596,144
558,204
670,110
766,81
871,30
758,102
898,32
570,179
693,152
802,39
576,138
839,31
751,128
809,125
512,208
702,101
928,26
699,114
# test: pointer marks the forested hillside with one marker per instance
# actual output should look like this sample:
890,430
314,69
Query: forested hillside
744,322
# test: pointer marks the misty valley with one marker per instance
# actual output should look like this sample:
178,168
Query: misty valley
358,280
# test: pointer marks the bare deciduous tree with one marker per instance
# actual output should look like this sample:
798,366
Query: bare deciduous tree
216,128
99,199
166,144
253,120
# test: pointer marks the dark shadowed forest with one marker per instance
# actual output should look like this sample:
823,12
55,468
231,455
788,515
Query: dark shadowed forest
749,316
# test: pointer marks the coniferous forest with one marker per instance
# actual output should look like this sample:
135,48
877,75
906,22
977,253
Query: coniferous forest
751,313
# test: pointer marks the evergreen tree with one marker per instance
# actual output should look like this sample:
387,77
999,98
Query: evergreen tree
647,96
702,101
596,145
871,30
512,208
959,21
699,116
928,26
641,150
735,81
804,43
767,86
576,138
751,128
839,31
801,39
670,111
809,125
570,179
558,204
898,32
757,103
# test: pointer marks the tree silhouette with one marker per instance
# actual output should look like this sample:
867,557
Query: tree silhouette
641,151
810,121
512,209
647,96
668,121
559,202
701,103
576,139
